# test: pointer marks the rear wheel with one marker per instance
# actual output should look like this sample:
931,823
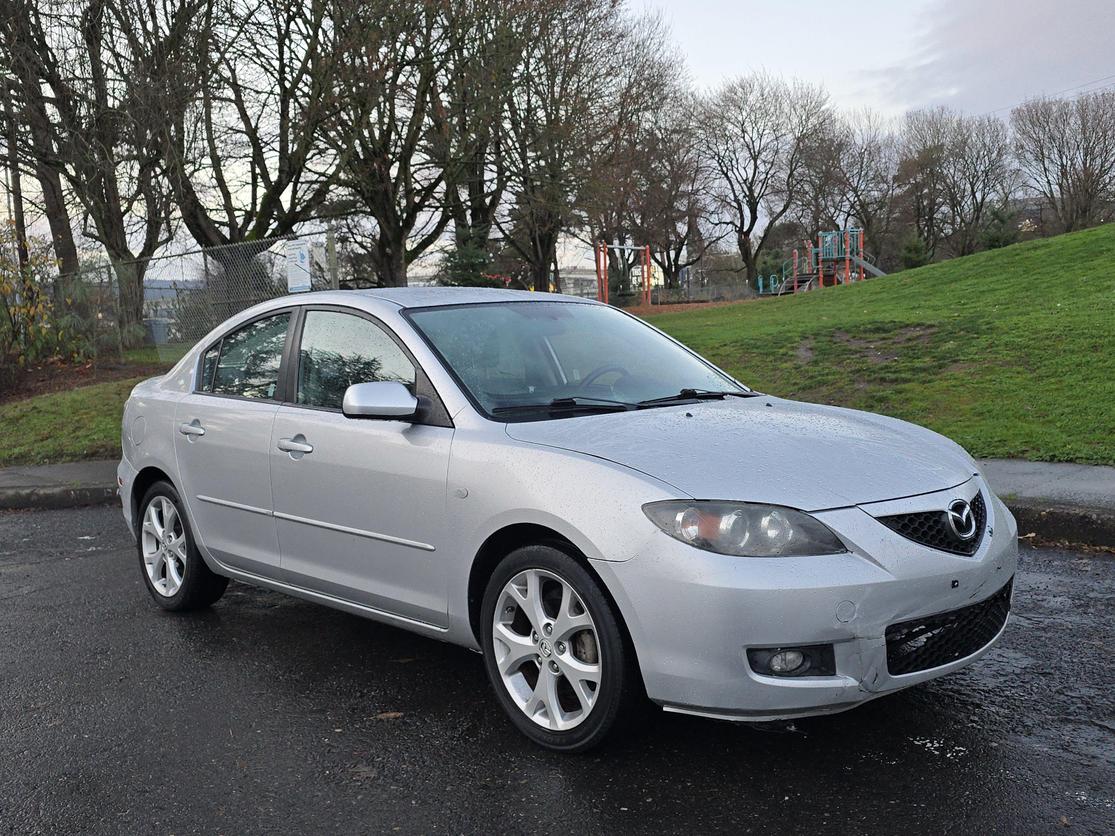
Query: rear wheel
173,570
555,651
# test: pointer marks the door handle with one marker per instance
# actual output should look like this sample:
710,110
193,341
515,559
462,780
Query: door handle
192,428
295,445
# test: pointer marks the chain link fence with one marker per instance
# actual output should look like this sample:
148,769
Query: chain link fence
697,292
185,295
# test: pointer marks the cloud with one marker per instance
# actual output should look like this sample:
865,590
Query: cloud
984,55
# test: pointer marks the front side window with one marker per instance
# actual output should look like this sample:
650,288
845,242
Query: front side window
340,349
250,359
514,356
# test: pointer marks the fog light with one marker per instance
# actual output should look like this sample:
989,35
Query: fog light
803,660
786,661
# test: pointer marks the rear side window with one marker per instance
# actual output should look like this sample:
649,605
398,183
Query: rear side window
208,366
250,358
338,350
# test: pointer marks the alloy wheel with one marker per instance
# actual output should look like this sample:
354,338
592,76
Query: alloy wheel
546,649
163,541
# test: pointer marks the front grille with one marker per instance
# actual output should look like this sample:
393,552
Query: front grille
931,528
936,640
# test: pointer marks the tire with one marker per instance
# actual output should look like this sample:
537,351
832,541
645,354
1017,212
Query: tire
172,568
527,665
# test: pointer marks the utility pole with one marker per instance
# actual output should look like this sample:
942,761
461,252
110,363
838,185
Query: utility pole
331,256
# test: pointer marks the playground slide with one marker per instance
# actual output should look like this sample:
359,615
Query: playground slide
868,266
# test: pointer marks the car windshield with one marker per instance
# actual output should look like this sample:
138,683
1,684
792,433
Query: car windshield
531,360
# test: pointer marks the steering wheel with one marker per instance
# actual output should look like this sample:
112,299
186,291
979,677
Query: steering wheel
600,371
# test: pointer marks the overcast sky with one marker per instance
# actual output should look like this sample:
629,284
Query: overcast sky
891,55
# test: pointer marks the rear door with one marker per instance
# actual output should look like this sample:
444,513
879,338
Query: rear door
360,505
222,438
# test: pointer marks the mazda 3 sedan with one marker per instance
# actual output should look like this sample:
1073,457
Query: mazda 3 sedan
599,511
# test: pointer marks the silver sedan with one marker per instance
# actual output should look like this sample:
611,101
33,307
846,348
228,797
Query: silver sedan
603,514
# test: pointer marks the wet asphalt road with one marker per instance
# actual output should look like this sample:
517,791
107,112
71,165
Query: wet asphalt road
267,714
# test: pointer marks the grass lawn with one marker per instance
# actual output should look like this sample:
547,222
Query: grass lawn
1010,352
74,413
83,423
166,355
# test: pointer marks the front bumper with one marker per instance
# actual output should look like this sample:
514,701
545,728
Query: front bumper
692,614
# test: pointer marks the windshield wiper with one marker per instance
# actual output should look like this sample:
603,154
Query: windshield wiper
698,395
579,404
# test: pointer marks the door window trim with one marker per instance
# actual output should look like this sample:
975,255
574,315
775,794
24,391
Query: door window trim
284,358
435,412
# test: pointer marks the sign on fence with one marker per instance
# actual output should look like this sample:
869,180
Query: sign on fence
297,266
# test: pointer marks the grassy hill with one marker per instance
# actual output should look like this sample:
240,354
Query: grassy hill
1010,352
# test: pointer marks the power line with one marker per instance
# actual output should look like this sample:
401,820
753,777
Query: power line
1085,84
1062,92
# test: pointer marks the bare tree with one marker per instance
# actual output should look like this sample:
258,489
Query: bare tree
646,93
868,168
647,103
469,110
672,205
39,154
425,88
1066,149
755,130
394,56
978,177
243,149
15,175
926,136
823,200
570,89
88,92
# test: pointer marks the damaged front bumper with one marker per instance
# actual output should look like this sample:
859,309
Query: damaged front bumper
693,615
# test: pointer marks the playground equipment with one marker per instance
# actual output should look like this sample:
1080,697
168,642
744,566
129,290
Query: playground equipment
838,258
600,253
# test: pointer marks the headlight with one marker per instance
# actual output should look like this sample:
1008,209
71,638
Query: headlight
743,529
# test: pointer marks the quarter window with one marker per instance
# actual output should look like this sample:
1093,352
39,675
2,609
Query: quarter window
338,350
208,366
250,359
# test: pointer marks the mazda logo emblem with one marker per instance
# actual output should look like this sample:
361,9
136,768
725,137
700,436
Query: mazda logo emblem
961,519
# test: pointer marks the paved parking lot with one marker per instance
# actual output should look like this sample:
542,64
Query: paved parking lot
267,714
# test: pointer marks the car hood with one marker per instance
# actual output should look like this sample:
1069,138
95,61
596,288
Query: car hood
765,449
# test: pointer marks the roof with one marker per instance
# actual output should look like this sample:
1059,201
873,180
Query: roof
424,297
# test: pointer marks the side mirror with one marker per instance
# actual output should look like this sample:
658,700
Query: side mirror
384,399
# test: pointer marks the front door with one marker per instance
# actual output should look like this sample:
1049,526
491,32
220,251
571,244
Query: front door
222,439
359,504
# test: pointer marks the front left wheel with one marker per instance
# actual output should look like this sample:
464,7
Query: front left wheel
173,569
555,651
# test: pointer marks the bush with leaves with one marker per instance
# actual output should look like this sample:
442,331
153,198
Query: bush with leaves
914,252
31,329
467,266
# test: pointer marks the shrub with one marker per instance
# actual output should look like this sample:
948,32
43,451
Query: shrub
32,329
467,266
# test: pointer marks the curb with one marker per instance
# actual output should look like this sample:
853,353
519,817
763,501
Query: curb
56,498
1064,523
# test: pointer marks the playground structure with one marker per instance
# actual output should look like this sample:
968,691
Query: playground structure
600,254
837,258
